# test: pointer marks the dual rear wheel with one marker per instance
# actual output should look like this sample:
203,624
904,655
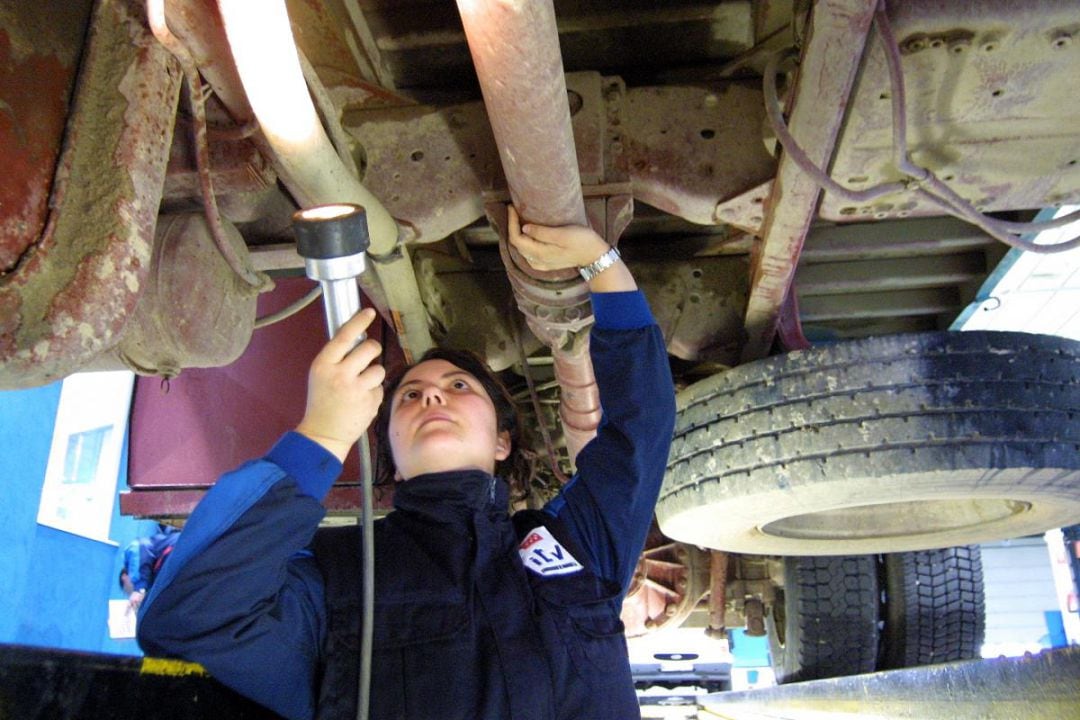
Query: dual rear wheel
848,615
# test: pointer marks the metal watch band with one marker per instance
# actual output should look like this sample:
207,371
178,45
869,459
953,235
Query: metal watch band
600,264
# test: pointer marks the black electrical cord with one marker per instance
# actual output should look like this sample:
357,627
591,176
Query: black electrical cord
367,569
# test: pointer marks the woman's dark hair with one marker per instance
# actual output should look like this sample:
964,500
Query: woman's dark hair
516,469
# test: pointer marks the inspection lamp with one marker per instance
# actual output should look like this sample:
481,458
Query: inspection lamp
333,240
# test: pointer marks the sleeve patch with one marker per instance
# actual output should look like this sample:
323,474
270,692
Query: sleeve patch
544,555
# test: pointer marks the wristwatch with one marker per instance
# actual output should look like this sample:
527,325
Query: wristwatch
600,264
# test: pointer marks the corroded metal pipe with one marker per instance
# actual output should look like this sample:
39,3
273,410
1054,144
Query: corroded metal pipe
515,48
718,568
155,14
579,403
198,25
262,80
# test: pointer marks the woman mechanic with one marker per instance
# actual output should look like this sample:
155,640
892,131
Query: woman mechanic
479,614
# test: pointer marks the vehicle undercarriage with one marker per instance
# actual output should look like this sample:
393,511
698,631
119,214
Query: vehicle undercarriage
157,151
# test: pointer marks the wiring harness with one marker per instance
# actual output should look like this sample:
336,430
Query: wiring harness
919,180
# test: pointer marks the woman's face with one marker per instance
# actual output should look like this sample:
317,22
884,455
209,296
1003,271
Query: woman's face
441,418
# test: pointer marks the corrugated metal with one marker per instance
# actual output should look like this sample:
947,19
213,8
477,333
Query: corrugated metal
1019,589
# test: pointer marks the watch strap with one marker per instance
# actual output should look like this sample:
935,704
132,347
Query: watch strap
600,264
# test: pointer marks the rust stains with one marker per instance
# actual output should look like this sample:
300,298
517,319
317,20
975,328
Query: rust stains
70,298
34,92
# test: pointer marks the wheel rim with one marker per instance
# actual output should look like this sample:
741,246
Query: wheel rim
895,519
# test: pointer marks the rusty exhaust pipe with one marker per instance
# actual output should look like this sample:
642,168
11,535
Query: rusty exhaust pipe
515,48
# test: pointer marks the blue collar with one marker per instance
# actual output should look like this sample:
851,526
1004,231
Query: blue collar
455,493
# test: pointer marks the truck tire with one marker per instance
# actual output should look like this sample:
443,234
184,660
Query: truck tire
827,624
879,445
934,607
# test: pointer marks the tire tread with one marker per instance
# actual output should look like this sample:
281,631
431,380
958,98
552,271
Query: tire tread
935,607
831,617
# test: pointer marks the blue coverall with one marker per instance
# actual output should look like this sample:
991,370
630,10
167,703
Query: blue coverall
478,614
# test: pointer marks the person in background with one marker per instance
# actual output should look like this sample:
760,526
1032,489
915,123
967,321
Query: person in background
478,613
143,560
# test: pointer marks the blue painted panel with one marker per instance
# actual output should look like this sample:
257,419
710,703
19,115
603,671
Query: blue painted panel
56,585
64,605
1055,627
26,424
749,651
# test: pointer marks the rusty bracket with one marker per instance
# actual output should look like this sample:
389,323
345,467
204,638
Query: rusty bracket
827,73
680,149
237,167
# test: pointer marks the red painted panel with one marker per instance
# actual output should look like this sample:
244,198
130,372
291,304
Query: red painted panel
211,420
165,504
